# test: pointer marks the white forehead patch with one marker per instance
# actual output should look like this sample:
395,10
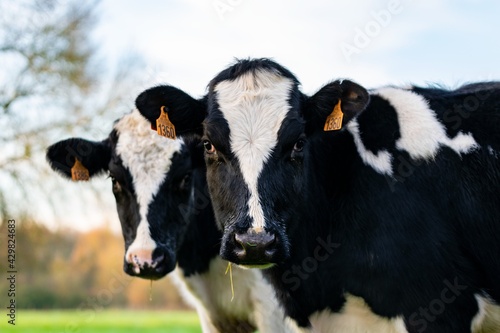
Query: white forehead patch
254,105
147,156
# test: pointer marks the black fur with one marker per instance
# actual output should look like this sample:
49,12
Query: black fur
61,155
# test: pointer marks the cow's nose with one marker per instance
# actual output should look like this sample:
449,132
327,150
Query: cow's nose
255,248
145,263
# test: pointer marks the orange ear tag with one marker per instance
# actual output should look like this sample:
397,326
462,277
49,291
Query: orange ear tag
79,172
164,126
334,120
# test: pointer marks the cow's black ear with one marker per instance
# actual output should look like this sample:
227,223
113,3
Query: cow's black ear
184,111
354,99
93,155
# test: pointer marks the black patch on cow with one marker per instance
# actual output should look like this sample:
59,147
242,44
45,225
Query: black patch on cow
379,126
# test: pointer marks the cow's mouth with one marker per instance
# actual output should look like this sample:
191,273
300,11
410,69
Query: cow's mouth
251,249
155,268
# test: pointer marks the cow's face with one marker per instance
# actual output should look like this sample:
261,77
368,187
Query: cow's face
254,147
258,133
151,182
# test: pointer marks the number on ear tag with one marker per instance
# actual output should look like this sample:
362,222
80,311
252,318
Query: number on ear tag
334,120
79,172
164,126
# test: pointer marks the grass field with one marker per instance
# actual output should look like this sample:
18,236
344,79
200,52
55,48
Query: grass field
106,321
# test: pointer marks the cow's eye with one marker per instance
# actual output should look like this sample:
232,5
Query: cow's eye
116,185
209,147
113,179
297,152
299,145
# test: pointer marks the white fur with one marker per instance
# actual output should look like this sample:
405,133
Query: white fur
487,320
382,162
254,105
254,300
422,135
354,317
148,157
479,317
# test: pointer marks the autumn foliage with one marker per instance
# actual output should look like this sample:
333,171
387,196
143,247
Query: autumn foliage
67,269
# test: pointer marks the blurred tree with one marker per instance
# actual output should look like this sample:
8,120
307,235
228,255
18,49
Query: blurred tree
51,85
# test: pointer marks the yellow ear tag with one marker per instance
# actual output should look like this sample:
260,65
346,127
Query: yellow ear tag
334,120
79,172
164,126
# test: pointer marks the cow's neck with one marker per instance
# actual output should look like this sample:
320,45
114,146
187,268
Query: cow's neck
332,165
202,240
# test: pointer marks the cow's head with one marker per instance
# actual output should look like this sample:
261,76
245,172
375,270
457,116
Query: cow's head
259,130
152,184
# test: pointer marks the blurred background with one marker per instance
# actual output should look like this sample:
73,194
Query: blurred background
71,67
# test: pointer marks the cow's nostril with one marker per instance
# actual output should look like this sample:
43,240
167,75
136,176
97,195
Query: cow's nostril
239,247
239,241
158,260
270,251
268,240
149,265
254,246
139,260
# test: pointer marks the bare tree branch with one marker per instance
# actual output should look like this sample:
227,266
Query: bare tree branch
50,90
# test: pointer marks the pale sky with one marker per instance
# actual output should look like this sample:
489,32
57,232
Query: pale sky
186,43
372,42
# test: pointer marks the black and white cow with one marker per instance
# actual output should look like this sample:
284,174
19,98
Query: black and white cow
166,217
390,224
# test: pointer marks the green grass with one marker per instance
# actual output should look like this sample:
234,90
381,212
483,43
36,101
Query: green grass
105,321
